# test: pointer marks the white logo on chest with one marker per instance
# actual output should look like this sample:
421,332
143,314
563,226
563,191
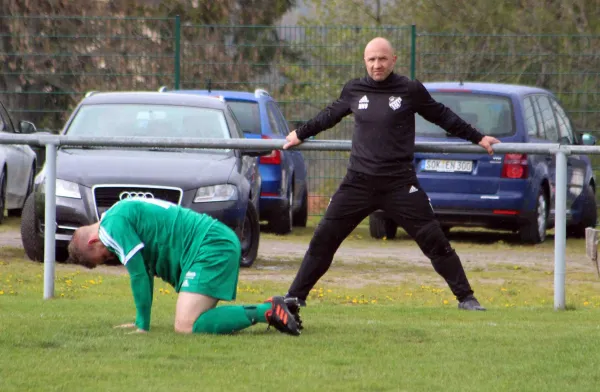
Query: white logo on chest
363,103
395,102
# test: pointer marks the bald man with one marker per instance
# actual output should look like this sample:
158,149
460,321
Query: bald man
380,173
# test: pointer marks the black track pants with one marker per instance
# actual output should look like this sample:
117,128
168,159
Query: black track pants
402,200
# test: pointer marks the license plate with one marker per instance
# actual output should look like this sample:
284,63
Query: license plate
446,166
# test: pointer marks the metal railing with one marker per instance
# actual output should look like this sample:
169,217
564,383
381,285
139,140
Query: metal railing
51,142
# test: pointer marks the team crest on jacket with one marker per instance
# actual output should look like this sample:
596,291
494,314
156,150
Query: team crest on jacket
395,102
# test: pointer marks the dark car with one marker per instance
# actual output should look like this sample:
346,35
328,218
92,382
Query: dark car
284,191
223,183
510,191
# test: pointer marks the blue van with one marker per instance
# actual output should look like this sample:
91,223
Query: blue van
503,191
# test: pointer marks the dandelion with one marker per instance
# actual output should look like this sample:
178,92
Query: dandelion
1,292
408,294
62,294
446,302
329,291
354,301
167,292
384,238
92,281
161,290
373,301
503,289
586,303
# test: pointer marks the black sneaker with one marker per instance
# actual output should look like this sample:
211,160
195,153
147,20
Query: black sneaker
470,303
281,318
294,305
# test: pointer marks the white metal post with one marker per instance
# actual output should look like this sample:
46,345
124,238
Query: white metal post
560,230
50,221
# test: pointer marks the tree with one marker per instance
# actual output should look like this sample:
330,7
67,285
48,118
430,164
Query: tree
546,43
51,59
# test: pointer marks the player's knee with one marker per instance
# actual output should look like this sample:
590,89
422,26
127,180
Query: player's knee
432,240
183,326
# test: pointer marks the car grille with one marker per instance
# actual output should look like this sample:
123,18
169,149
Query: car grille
106,196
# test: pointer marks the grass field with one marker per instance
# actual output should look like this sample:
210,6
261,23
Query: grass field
379,335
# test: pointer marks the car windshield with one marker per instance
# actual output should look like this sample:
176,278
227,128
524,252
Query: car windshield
491,115
150,121
247,114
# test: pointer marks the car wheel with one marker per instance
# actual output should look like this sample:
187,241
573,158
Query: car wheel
2,195
301,216
589,214
380,227
19,211
534,231
33,243
282,222
250,237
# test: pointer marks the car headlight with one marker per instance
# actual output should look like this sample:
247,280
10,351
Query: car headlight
64,189
222,192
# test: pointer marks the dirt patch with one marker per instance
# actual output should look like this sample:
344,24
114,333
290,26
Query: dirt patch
279,259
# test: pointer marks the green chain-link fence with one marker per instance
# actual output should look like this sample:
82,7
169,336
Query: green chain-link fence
50,62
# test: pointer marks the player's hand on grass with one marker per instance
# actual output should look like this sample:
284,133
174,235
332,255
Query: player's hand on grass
137,331
126,325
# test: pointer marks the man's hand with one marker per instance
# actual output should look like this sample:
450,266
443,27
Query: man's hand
126,325
137,331
292,140
487,142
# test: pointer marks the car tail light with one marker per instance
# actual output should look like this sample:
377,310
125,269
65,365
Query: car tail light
515,166
506,212
274,158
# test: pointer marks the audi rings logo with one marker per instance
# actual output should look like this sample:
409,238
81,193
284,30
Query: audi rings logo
133,194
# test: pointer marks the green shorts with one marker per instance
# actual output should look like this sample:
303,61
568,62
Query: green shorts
216,269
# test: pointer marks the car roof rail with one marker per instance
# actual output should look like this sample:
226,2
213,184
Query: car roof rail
90,93
163,89
261,92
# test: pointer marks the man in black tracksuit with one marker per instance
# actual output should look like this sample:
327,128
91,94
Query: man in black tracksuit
381,174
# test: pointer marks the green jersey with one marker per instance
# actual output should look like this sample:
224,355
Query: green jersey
153,238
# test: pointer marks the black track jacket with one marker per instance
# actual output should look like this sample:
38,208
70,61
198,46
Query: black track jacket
383,141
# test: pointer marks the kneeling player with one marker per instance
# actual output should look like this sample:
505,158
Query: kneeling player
198,255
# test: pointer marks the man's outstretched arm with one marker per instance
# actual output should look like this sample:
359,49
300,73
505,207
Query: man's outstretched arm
325,119
439,114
